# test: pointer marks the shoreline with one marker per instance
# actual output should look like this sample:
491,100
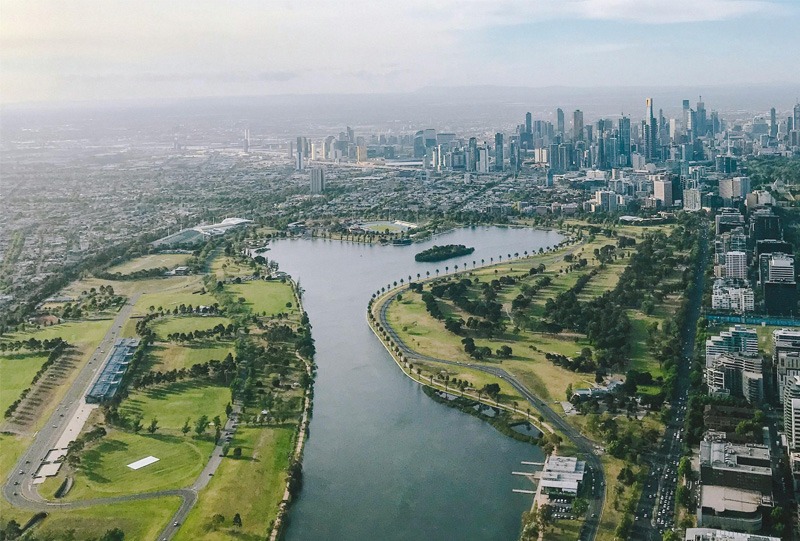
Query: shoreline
280,521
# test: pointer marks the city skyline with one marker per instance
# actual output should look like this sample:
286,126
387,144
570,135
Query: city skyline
177,50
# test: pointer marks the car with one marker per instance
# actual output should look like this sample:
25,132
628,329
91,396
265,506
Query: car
16,483
176,524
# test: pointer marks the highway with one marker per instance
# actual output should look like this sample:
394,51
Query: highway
655,510
585,446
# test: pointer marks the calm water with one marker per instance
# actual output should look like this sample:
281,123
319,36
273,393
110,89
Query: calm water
384,461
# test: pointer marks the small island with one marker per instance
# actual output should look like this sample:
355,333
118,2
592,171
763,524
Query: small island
440,253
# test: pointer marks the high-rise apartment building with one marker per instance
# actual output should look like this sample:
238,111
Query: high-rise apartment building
498,152
299,163
736,265
737,339
317,180
577,125
560,122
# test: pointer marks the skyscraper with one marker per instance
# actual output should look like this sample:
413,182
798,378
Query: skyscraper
498,152
577,125
773,123
700,114
246,142
650,131
317,180
560,122
625,139
472,155
528,122
298,160
796,123
687,112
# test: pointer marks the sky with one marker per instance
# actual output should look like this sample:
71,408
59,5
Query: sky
81,50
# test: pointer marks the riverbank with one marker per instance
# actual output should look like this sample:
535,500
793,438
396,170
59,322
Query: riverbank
296,466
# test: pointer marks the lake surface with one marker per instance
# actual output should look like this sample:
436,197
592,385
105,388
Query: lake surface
384,461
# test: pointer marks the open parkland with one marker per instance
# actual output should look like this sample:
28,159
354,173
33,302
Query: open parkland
201,434
530,344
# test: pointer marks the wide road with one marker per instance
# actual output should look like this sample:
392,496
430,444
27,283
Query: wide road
654,511
19,489
585,446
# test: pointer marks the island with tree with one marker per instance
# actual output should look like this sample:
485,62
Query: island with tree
440,253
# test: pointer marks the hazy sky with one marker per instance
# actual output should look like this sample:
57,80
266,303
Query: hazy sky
85,50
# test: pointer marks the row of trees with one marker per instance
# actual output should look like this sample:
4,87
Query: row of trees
58,346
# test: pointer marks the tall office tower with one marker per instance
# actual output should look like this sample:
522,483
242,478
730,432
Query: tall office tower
773,123
298,160
552,158
650,131
351,135
687,112
796,123
498,152
560,122
246,141
577,125
291,150
472,154
625,139
528,122
513,154
700,114
483,160
317,180
714,125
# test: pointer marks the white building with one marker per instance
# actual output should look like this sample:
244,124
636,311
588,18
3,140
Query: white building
727,295
317,180
561,475
737,339
734,374
736,265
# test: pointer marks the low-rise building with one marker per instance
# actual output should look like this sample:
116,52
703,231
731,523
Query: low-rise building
736,374
561,475
710,534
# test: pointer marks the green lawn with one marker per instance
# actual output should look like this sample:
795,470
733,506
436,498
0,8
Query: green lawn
16,372
265,297
173,403
153,261
252,486
104,472
172,297
185,324
165,356
77,333
224,267
138,519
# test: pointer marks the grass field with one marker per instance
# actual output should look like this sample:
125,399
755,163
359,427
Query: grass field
148,262
165,356
104,472
139,519
173,403
252,486
172,295
265,297
16,372
185,324
224,267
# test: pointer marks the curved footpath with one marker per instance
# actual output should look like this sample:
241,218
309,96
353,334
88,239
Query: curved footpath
583,444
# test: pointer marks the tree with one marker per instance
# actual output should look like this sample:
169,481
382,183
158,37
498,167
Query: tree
237,452
153,426
569,392
217,519
137,424
113,535
201,424
580,506
186,428
237,520
492,389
